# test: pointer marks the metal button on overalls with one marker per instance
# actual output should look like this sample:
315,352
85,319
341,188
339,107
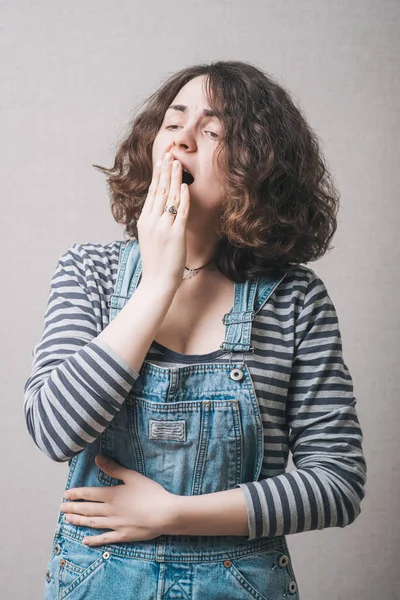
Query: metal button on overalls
236,374
292,587
283,561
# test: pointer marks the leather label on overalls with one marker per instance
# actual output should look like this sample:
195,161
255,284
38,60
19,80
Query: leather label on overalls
167,430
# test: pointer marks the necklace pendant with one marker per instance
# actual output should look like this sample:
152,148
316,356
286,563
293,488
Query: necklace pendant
191,273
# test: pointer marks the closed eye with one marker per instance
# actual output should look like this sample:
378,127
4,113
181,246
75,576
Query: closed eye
215,135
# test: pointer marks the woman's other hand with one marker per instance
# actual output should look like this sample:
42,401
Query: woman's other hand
141,509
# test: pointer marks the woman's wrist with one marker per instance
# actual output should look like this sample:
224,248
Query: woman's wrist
218,513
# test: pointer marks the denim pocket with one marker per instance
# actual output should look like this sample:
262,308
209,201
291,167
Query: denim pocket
77,564
264,576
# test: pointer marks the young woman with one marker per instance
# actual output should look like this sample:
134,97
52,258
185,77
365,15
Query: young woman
177,368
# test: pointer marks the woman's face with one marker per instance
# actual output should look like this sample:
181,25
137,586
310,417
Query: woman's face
194,136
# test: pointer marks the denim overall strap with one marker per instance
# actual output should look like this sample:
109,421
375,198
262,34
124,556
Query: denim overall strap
249,299
129,272
266,285
239,319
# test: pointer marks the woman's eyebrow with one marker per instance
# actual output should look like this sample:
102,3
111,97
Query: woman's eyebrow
207,112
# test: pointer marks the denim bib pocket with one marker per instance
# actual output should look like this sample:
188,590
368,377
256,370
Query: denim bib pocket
178,443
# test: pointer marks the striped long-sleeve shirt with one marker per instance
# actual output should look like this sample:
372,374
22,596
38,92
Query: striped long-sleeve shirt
303,386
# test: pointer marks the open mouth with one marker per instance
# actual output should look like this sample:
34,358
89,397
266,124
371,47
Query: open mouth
187,177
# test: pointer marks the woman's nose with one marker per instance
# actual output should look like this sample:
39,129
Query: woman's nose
184,138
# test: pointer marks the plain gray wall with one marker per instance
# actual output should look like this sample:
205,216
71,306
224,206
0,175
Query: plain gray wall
72,73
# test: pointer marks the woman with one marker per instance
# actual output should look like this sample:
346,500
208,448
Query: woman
196,363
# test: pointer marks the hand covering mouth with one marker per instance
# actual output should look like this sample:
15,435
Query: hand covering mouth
187,177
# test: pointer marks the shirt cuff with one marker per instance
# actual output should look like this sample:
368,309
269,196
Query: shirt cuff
251,517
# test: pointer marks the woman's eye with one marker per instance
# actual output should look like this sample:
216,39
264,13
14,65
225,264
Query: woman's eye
213,134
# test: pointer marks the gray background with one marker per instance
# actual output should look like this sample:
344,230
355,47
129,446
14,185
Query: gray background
72,74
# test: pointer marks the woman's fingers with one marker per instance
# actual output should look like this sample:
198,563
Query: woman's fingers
151,194
155,225
88,509
152,191
164,183
111,537
183,209
174,196
93,522
96,493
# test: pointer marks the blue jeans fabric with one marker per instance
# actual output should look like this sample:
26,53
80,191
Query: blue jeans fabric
195,429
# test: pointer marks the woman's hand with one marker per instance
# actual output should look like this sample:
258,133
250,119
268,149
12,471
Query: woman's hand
141,509
162,235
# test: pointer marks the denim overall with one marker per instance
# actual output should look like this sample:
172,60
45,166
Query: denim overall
194,429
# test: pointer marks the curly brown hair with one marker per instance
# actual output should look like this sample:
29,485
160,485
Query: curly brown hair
280,203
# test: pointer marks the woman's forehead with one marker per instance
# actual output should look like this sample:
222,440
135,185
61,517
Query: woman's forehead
193,96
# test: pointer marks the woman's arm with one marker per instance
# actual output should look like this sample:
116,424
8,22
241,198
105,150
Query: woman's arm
325,439
219,513
80,378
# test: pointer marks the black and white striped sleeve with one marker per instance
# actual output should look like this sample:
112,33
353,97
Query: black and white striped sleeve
77,382
325,437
